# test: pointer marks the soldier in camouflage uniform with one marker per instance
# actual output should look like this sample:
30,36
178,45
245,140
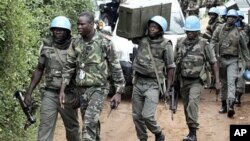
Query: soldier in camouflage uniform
223,14
146,89
193,9
229,44
52,57
91,57
245,30
192,5
213,22
212,3
191,54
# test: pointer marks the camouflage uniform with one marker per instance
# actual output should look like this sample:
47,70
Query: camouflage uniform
190,58
240,85
146,92
187,5
229,43
212,3
92,62
53,58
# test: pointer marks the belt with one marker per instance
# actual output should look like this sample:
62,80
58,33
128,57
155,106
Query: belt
142,75
226,56
52,90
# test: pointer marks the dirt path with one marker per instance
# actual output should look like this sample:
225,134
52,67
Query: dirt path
213,126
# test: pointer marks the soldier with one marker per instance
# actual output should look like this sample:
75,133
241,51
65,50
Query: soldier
244,29
191,54
229,45
223,14
193,9
193,4
92,56
51,60
213,22
212,3
154,54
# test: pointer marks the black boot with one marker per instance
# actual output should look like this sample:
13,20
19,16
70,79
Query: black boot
231,111
223,108
160,137
237,97
191,135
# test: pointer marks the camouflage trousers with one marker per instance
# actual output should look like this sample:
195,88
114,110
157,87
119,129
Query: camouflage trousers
190,92
92,101
50,107
145,98
228,76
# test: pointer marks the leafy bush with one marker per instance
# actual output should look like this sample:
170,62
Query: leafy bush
22,24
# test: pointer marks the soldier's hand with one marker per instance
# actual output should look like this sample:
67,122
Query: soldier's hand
61,98
117,99
217,87
27,100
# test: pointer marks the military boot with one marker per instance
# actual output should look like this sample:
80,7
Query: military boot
231,111
160,137
237,98
223,108
191,135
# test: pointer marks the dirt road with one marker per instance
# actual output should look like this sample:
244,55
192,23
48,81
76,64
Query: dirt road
213,126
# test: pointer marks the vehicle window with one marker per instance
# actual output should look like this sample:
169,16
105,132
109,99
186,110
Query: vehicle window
176,24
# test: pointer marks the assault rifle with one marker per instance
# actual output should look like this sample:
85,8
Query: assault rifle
28,110
173,100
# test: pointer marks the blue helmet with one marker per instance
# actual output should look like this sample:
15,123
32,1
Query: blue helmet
61,22
246,75
232,12
214,10
160,21
223,10
240,14
192,23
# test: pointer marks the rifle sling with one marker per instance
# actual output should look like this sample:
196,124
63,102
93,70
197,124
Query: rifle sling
155,69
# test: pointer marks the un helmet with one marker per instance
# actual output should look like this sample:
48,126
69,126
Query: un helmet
240,14
223,10
213,10
246,75
192,23
160,21
232,12
61,22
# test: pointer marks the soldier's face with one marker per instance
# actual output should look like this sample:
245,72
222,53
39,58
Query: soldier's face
192,34
212,15
231,20
153,29
84,25
59,33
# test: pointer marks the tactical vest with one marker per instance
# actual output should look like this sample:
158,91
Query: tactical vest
92,66
193,62
229,42
143,62
53,71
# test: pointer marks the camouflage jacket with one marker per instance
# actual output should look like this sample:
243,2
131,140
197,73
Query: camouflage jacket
161,50
92,62
191,56
229,41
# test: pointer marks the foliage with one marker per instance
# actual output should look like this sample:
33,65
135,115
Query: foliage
22,24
